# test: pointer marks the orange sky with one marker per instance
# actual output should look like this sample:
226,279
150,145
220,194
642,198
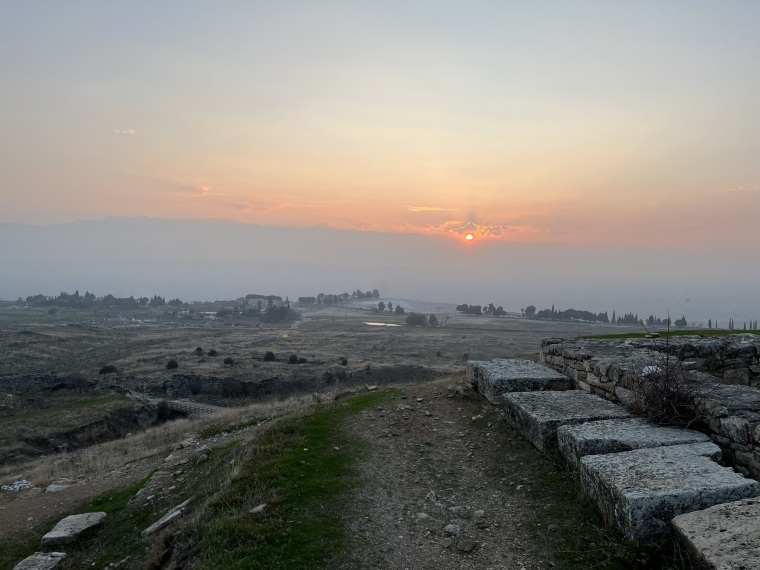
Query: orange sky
593,124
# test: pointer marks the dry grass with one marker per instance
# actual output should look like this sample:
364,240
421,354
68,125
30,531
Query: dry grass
104,458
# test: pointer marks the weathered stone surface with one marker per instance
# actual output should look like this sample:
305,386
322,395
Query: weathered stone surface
724,537
538,414
640,491
72,527
614,436
736,376
495,377
736,428
171,514
40,561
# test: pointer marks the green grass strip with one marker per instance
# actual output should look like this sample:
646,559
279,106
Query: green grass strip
302,469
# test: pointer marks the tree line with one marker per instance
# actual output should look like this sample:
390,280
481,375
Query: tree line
90,300
329,299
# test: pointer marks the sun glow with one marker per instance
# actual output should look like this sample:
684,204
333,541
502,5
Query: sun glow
469,237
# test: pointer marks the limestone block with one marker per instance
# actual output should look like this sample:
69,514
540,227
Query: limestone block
723,537
40,561
735,428
495,377
627,398
72,527
538,414
739,376
640,491
615,436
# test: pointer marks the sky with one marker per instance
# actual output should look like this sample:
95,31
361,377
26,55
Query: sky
602,154
589,123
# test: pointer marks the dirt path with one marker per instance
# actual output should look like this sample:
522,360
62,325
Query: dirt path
440,490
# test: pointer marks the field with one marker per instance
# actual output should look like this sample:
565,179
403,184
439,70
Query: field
221,365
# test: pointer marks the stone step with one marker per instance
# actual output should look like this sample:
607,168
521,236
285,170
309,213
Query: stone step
492,378
615,436
724,537
640,491
538,415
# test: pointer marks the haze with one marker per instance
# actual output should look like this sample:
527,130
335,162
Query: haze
603,154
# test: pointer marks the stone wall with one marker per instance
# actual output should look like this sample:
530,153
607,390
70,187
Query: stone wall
727,367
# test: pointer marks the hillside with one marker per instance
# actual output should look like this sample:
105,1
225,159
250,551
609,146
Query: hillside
424,476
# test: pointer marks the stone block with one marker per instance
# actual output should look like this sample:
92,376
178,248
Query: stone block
640,491
738,376
615,436
538,414
69,530
723,537
40,561
496,377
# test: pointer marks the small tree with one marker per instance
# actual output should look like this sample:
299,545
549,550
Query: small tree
399,310
212,352
293,359
530,310
381,306
269,356
199,351
433,321
172,365
229,361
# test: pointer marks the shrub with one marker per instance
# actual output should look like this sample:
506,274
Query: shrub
302,360
269,356
108,369
199,350
669,394
229,361
416,320
293,359
212,352
172,364
343,361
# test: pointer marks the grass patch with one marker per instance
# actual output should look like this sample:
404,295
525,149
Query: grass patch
301,468
76,406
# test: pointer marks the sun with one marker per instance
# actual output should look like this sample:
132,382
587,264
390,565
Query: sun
469,237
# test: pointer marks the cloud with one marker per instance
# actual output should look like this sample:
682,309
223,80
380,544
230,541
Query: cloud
194,191
430,209
126,132
739,188
257,206
479,231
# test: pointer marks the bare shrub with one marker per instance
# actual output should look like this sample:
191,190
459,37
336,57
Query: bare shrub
668,393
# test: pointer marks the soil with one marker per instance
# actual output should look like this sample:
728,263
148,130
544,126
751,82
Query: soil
35,512
429,465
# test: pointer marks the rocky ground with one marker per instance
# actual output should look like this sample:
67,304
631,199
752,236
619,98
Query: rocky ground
444,483
448,484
